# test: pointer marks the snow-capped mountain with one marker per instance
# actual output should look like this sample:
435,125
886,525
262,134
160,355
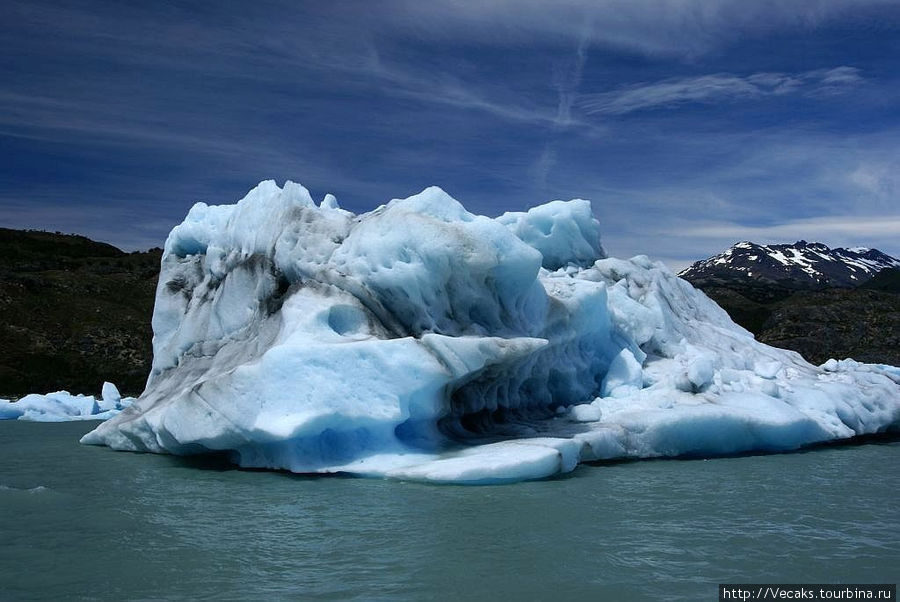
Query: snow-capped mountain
802,264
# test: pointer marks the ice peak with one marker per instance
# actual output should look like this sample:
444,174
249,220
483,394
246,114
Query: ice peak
297,193
329,202
434,202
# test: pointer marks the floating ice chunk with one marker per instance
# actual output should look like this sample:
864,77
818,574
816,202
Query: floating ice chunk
58,406
53,407
62,406
9,411
420,341
111,399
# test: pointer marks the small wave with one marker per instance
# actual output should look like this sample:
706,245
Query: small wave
38,489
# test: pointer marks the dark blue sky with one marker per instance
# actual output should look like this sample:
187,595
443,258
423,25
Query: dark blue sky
689,124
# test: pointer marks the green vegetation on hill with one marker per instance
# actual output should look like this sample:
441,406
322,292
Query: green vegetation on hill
73,313
861,323
887,280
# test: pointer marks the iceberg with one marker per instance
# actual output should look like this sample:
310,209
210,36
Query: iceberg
62,406
420,341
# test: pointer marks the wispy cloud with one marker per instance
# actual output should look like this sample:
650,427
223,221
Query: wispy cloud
707,238
879,179
446,90
718,87
668,28
248,48
696,195
843,227
544,164
149,108
567,80
679,243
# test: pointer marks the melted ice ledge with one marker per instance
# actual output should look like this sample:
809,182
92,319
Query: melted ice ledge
420,341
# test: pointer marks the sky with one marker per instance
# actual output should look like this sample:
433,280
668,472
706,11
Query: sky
689,124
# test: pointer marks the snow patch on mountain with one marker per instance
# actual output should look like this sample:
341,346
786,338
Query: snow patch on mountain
801,264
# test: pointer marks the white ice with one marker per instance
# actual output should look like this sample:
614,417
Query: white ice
420,341
62,406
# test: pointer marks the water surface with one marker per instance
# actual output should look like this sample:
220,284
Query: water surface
87,522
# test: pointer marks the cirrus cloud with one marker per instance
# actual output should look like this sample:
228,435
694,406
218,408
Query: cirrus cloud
716,88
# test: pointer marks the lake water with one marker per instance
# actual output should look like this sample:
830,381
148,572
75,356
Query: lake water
87,522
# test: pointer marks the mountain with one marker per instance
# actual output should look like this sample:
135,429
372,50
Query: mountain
802,265
73,313
823,303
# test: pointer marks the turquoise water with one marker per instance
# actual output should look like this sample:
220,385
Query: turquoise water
87,522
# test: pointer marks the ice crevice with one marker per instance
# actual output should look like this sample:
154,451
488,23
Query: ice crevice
420,341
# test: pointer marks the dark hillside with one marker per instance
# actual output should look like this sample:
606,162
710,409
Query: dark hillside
73,313
822,302
861,323
887,280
